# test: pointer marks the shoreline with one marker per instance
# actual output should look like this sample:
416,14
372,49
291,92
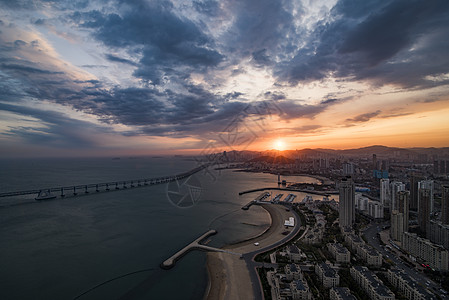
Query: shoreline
229,275
323,180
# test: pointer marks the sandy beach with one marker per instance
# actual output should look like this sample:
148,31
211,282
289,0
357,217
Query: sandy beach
229,276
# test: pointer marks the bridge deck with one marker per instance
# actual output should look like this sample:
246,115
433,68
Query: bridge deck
105,186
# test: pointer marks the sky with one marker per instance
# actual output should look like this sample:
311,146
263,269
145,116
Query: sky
135,77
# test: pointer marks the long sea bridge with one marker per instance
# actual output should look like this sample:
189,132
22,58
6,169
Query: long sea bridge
62,191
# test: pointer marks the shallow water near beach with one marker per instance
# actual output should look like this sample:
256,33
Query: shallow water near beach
109,245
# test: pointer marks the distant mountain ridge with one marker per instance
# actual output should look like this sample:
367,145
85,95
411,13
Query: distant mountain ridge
379,150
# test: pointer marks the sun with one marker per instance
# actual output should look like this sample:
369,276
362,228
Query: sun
279,144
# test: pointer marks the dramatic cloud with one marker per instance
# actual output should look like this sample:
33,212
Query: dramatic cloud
187,70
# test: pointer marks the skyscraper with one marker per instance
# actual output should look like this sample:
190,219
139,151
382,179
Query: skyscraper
428,184
347,202
423,209
396,186
397,225
385,192
414,179
399,216
445,205
403,206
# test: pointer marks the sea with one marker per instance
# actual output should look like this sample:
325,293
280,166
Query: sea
110,244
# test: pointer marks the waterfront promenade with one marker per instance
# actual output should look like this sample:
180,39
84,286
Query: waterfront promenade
195,245
234,278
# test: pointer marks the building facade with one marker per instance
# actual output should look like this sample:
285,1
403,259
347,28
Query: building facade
341,293
424,209
327,275
445,204
339,252
346,202
385,192
434,255
371,284
408,286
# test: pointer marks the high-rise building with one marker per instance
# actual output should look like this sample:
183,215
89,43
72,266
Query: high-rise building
348,169
396,186
385,192
400,217
445,205
424,209
397,225
403,207
414,179
428,184
346,202
375,162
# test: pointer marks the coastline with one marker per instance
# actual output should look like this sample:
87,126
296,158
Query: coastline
228,274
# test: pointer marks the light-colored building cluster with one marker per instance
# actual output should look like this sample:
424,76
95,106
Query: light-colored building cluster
328,276
407,286
289,285
368,207
435,255
368,254
315,234
341,293
371,284
371,256
293,253
339,252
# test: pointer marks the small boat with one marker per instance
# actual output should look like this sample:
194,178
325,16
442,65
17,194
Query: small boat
45,195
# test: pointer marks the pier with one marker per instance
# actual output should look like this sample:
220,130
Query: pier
63,191
324,193
195,245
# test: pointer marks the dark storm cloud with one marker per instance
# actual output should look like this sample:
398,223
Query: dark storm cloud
27,69
55,129
208,7
260,29
169,45
115,58
375,41
277,95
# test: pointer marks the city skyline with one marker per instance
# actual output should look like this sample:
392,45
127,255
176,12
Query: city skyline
173,77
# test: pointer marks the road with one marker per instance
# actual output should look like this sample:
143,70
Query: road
253,265
371,236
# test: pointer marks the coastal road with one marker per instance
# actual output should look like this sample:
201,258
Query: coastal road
371,236
252,265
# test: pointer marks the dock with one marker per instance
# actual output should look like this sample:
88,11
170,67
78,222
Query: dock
195,245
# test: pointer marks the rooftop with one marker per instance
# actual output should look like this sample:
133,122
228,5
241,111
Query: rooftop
374,281
344,293
299,285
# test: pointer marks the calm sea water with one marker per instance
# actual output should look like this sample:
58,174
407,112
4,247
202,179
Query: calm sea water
109,245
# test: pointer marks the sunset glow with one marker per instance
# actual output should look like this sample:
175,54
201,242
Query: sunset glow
149,77
279,145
